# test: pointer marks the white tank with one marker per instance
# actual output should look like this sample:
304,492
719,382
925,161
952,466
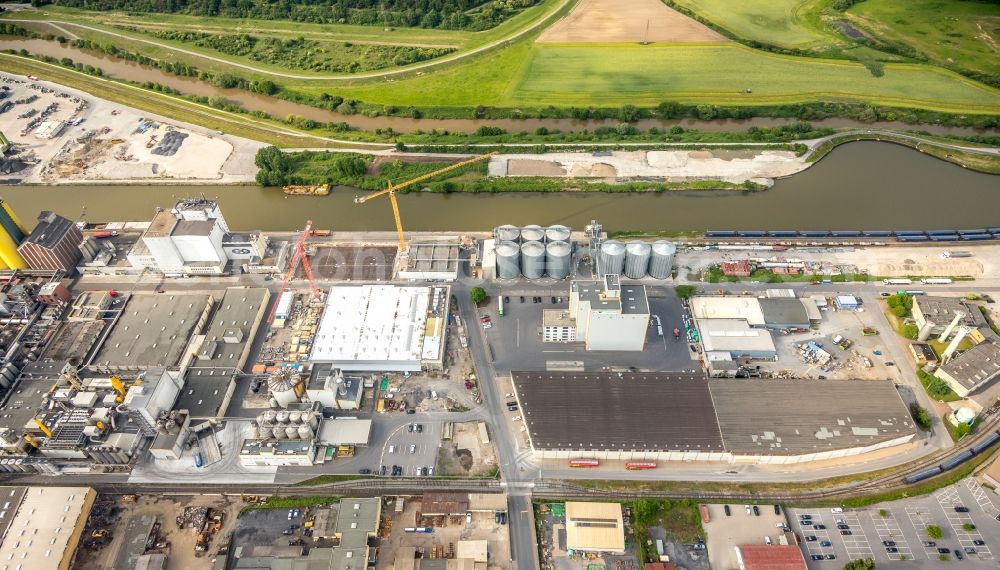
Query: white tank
279,433
270,417
265,432
533,259
507,233
292,432
508,260
305,432
558,259
313,421
557,233
295,418
636,259
532,233
611,258
661,262
282,417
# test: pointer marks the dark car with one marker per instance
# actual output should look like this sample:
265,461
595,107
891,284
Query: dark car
961,509
943,551
825,543
970,550
365,471
979,542
411,411
843,526
777,510
846,532
729,512
891,549
382,470
756,511
506,300
929,543
958,554
805,517
817,556
888,543
512,403
553,300
522,298
806,523
420,428
410,428
831,556
820,527
810,538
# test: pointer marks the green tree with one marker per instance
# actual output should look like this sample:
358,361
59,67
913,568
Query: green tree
350,166
629,114
920,416
686,291
863,564
274,166
968,527
669,110
477,295
934,532
910,331
962,430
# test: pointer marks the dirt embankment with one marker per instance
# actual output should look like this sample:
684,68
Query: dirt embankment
605,21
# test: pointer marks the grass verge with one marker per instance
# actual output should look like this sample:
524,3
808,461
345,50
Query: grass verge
291,503
329,479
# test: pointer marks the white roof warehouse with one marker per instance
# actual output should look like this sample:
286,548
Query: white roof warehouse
381,327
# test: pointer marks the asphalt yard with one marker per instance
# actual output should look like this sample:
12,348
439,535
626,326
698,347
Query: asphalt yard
897,532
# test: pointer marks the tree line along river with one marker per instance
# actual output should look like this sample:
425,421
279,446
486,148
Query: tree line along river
861,185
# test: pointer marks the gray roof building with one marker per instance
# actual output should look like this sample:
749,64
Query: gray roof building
784,313
972,370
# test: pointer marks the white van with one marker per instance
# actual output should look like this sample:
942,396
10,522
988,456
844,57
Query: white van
392,449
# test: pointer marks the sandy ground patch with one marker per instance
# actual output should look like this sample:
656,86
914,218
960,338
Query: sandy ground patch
106,142
595,21
677,165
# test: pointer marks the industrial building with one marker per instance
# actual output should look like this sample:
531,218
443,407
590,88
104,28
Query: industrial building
697,419
42,526
595,527
735,339
382,328
972,370
531,251
53,245
431,261
934,316
785,314
184,240
609,315
226,344
728,307
770,557
153,329
558,326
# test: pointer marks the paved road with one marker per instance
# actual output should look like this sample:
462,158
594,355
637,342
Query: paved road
544,19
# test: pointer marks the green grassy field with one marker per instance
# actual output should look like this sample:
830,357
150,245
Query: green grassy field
649,74
949,32
786,23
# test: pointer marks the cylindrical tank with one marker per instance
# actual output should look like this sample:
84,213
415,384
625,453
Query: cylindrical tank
292,432
508,260
281,417
533,259
557,233
9,254
532,233
313,421
270,417
295,418
279,433
636,259
265,432
305,432
558,259
507,233
611,258
661,262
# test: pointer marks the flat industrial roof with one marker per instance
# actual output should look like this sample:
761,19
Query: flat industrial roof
784,312
734,336
979,364
42,532
728,307
153,330
771,557
365,327
797,417
240,309
345,431
941,310
615,411
631,301
594,527
202,396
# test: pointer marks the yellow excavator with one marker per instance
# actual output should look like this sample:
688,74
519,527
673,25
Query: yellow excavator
392,188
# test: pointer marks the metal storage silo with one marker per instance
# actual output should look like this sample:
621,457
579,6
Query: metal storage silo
533,259
558,259
532,233
508,260
636,259
279,433
305,432
611,258
661,262
292,432
281,418
557,233
507,233
294,418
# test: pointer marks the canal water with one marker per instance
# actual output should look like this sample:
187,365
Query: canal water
862,185
130,71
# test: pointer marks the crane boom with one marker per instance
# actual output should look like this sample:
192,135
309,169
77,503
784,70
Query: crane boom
298,256
392,188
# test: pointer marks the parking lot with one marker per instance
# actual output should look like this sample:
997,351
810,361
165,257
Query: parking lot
412,450
516,341
739,528
898,531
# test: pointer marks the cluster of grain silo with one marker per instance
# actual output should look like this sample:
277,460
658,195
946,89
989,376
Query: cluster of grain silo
286,425
533,252
636,259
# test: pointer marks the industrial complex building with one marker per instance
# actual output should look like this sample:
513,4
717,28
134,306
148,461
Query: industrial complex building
608,315
54,244
41,527
382,328
972,370
595,527
772,421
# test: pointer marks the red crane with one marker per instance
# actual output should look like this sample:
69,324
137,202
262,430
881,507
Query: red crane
298,256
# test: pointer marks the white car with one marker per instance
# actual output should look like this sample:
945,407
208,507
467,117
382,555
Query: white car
508,395
747,509
515,418
836,510
413,448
